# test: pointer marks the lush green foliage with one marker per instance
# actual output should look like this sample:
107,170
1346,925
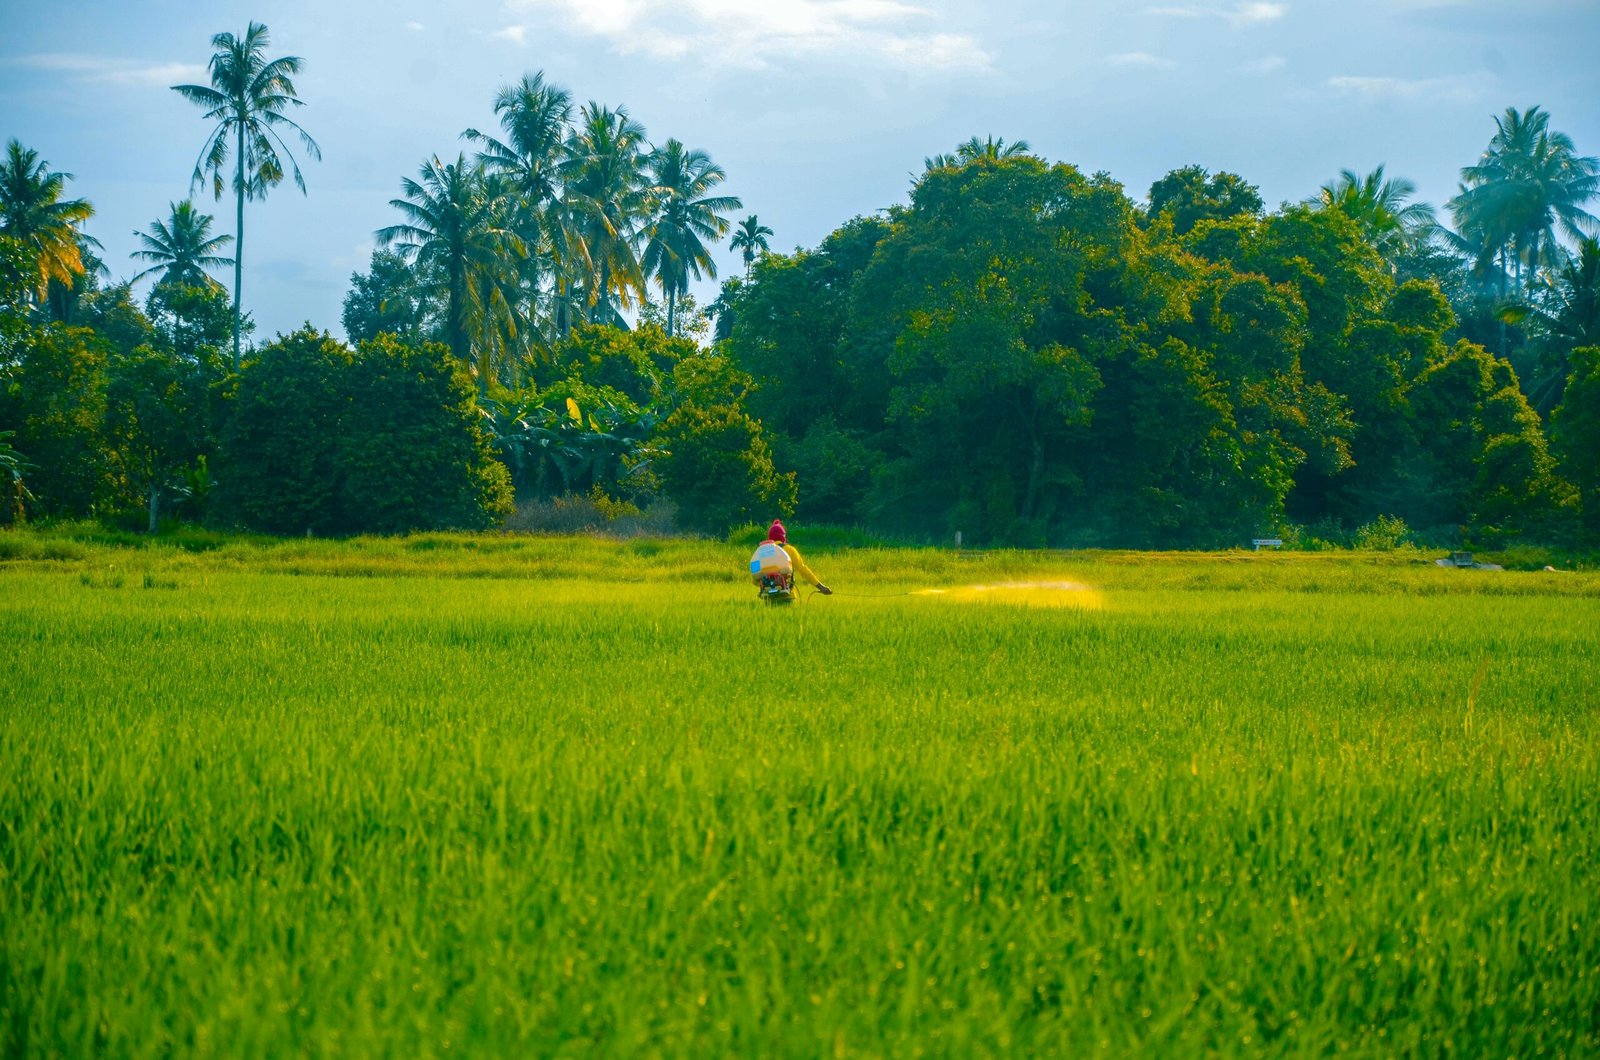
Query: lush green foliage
383,438
53,401
1021,354
42,223
1577,430
1190,195
388,299
1026,356
494,795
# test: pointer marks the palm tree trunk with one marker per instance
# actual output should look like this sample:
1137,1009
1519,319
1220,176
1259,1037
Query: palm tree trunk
672,310
238,249
456,312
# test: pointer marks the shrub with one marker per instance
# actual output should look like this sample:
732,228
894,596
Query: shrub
1384,534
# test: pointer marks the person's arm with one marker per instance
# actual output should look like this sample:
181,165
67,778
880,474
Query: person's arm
804,571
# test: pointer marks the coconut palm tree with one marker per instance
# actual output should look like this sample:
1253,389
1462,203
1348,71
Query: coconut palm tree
536,120
33,212
992,148
1379,205
685,216
455,229
1565,314
247,98
1528,190
182,248
750,239
607,195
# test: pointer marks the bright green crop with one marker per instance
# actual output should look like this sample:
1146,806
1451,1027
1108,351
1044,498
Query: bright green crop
510,796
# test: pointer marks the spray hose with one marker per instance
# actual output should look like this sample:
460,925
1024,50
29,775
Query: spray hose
859,596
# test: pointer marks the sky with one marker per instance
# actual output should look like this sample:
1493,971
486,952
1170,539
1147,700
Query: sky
819,110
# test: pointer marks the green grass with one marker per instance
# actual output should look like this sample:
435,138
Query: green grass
518,796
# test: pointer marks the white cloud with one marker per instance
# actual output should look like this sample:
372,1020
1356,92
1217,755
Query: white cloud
99,68
1237,14
1141,59
1270,64
1380,89
1246,14
517,35
415,27
762,33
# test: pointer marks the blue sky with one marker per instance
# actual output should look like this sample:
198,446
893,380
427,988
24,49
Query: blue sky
818,109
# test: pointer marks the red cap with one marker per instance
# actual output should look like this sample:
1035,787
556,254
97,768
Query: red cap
776,533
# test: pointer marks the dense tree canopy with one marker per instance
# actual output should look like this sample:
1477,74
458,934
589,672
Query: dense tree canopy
1020,352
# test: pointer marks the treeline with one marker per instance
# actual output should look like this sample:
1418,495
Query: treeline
1026,355
1022,353
132,413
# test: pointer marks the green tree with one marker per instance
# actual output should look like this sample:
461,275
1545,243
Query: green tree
1530,188
637,363
415,456
1349,348
389,298
786,325
536,121
455,232
536,118
247,99
1378,204
1037,390
750,240
685,215
384,439
44,225
1491,470
182,248
278,466
1563,313
1191,195
195,323
986,382
53,398
991,148
607,196
155,418
715,463
1575,428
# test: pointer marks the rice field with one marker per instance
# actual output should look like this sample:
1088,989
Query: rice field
519,796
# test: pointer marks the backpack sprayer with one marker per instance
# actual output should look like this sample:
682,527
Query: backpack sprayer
773,573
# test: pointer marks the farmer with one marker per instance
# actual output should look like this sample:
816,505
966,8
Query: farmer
775,579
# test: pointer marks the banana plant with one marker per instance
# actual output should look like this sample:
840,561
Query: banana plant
14,467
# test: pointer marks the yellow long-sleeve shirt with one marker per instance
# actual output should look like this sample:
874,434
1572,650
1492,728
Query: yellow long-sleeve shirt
800,567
